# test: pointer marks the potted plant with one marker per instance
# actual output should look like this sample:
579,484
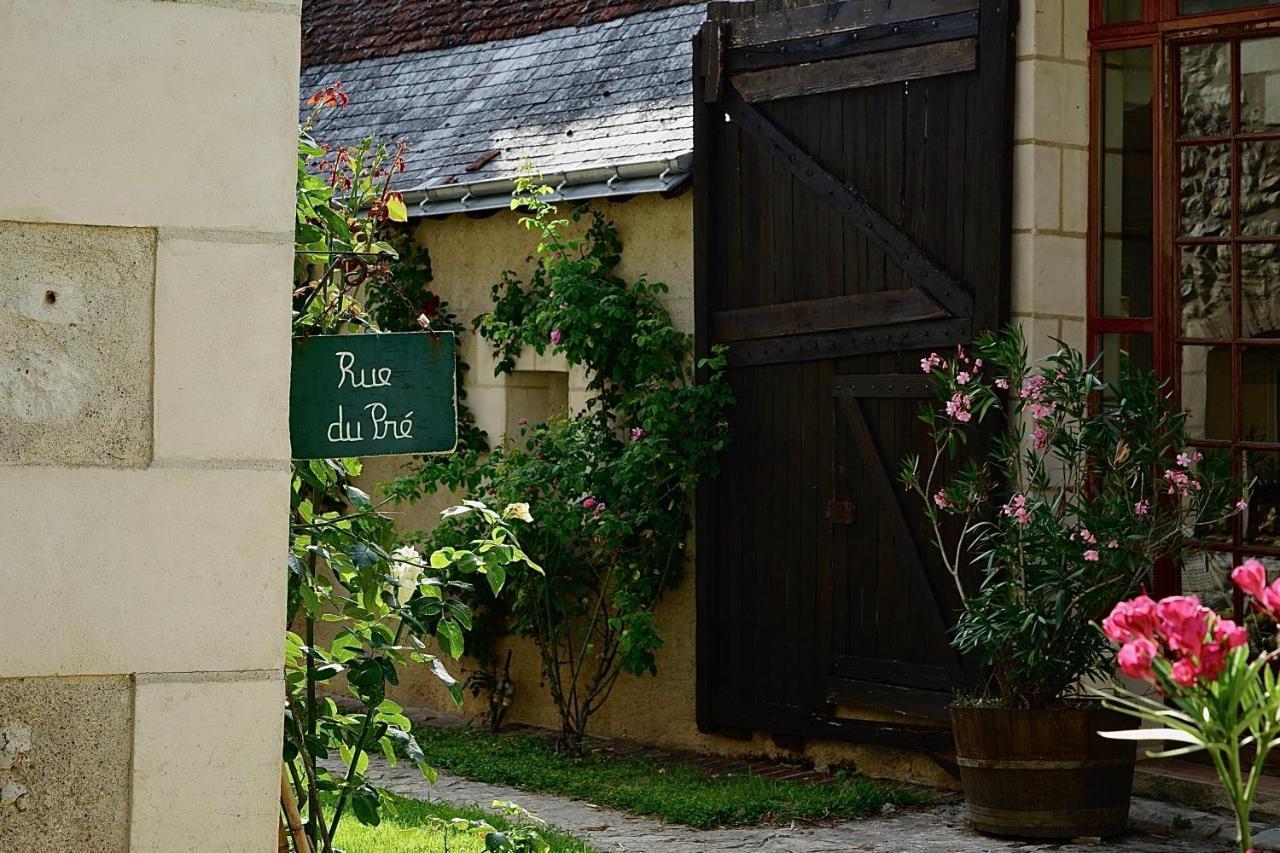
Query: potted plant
1211,693
1078,489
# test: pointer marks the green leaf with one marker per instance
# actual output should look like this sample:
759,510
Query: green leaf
449,634
357,497
497,576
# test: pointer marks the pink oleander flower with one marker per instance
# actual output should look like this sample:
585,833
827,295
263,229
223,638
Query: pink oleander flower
960,356
1040,411
1185,672
963,378
934,361
1135,658
1184,621
1141,507
1087,536
637,433
1180,483
1189,457
1241,505
1091,556
555,337
1113,544
1131,619
1251,578
1228,633
1040,438
940,498
977,364
958,407
1016,509
1033,388
1002,383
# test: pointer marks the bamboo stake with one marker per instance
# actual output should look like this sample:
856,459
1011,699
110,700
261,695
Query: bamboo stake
300,842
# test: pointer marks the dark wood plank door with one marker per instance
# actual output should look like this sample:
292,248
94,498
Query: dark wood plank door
852,185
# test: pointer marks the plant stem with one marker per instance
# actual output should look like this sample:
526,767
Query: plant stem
351,774
314,830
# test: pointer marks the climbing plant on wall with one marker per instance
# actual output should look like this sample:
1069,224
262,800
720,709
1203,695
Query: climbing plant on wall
610,486
347,567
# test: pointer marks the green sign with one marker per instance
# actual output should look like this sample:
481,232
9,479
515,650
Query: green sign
373,395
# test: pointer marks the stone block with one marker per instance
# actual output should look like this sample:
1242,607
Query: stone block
1051,102
132,571
75,344
65,746
1075,190
222,349
1037,186
206,764
1039,30
145,113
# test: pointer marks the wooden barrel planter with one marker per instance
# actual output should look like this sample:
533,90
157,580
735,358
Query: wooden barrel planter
1044,774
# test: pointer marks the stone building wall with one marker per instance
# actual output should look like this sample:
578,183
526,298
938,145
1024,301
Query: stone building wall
1051,171
146,224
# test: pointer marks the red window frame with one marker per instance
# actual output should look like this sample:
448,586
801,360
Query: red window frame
1163,30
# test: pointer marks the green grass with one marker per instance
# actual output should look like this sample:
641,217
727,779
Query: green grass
410,831
676,794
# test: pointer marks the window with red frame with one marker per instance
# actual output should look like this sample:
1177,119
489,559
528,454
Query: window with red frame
1184,272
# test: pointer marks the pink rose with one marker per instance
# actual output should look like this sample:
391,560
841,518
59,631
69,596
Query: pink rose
588,502
555,337
1250,577
1135,658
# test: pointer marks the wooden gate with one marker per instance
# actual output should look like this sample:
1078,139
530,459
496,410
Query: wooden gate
852,210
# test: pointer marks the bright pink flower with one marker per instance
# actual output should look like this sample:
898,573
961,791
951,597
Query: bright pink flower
1041,437
1135,658
1230,634
1033,388
977,364
960,354
1129,619
940,498
1141,507
1091,556
1040,411
1213,659
588,502
637,433
1185,672
1180,483
1002,383
1087,536
555,337
1189,457
1250,577
1270,598
1184,621
963,378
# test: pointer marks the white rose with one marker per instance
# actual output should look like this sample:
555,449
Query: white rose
406,569
520,511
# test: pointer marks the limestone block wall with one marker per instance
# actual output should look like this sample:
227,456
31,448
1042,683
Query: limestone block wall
145,260
1050,171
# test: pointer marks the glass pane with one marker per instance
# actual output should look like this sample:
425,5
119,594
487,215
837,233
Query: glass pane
1259,188
1206,89
1204,287
1191,7
1215,466
1260,85
1207,574
1116,11
1206,391
1262,519
1124,353
1259,381
1205,190
1260,290
1126,184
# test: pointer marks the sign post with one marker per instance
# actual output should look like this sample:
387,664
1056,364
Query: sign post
373,395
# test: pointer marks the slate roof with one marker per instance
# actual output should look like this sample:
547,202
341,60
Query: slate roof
570,98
